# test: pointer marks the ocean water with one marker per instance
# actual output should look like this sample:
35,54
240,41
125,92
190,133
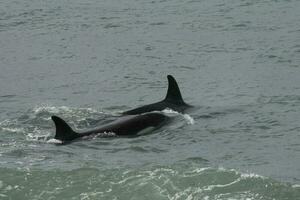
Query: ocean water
237,62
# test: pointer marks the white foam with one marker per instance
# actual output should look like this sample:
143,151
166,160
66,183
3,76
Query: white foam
37,135
242,175
14,130
211,187
169,112
48,108
189,119
251,175
9,187
56,110
34,137
9,125
54,141
296,186
5,122
105,134
200,170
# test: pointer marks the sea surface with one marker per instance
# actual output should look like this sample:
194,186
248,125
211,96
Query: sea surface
236,61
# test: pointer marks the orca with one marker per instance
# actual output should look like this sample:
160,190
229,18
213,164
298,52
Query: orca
173,100
125,126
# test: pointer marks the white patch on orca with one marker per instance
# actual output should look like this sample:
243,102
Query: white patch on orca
146,130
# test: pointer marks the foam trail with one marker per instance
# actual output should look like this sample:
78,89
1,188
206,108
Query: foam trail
56,110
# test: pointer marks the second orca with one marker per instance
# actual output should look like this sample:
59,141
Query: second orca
173,100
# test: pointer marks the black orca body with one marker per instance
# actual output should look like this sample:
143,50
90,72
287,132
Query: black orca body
125,126
173,100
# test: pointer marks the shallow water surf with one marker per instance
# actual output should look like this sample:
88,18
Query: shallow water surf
183,180
117,168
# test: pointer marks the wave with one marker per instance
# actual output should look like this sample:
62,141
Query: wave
179,181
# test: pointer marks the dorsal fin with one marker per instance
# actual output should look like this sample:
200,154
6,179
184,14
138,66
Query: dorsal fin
173,94
63,131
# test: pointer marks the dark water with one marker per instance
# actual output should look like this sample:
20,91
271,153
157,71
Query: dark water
86,61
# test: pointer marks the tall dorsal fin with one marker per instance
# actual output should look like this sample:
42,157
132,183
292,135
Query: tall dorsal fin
173,94
63,131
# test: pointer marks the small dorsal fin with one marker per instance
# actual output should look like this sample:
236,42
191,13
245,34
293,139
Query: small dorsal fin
173,94
63,131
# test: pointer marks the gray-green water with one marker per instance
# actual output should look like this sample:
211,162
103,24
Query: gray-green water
236,61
